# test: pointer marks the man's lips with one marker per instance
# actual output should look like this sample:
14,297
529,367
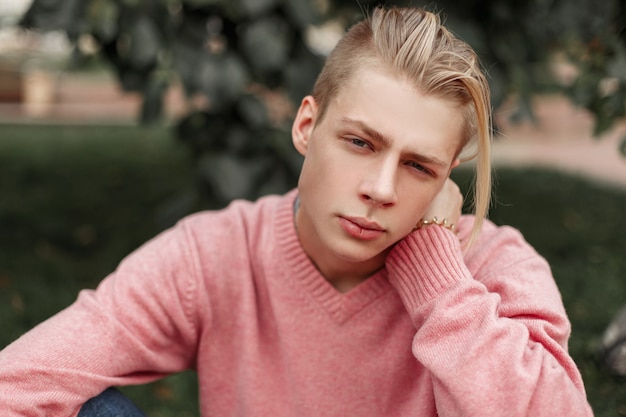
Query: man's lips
365,224
361,228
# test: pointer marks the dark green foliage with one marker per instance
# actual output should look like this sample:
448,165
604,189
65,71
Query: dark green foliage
219,51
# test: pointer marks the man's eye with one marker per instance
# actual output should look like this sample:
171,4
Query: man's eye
418,167
359,142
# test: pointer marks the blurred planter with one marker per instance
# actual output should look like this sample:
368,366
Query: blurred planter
11,85
33,90
39,92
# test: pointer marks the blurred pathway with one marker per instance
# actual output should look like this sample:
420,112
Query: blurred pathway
562,139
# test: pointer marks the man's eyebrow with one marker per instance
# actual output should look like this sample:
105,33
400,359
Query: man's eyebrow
372,133
379,137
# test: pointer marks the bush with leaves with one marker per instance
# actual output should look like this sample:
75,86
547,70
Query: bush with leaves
233,57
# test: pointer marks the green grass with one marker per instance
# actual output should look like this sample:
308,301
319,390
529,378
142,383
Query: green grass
74,201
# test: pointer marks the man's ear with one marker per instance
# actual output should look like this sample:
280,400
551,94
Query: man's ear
303,124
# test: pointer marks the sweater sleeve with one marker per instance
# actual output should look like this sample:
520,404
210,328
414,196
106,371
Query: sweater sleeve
136,327
493,331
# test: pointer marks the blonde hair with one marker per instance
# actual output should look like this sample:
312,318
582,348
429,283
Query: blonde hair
414,44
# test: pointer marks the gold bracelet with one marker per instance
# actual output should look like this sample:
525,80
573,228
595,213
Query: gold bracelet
435,221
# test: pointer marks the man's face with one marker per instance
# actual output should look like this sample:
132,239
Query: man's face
372,166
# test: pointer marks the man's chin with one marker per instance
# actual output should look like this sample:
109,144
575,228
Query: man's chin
360,256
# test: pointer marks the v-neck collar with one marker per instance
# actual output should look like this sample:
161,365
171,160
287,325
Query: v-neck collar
339,306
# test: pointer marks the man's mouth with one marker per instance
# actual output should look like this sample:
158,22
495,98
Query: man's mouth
361,228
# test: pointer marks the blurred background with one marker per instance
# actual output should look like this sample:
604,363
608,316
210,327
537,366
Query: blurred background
119,117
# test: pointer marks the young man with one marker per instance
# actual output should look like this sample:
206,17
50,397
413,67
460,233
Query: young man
364,292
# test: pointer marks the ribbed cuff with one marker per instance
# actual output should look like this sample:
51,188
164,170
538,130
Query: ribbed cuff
425,264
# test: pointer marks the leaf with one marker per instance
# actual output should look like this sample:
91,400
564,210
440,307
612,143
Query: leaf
231,177
301,72
132,79
238,140
278,182
254,8
103,16
604,117
252,111
187,62
48,15
280,143
265,44
303,13
499,86
523,110
584,90
152,106
202,3
202,131
222,78
144,43
616,67
234,76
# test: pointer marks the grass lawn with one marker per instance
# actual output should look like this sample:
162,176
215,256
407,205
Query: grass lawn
75,200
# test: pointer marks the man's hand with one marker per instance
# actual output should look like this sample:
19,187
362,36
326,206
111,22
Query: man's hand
446,205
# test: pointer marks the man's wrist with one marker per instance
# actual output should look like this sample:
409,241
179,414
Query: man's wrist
435,222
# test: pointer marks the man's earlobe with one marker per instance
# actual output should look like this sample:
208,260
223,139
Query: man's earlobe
303,124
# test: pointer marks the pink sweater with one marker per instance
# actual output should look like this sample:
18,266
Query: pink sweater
232,295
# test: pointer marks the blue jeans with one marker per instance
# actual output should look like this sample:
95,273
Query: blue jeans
111,403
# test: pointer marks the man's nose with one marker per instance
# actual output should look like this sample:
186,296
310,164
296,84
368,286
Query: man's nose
379,183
